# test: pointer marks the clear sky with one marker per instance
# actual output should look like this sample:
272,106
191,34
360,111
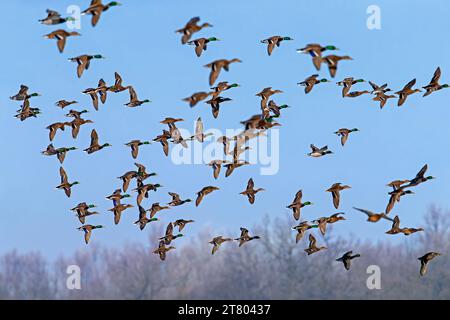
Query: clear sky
139,42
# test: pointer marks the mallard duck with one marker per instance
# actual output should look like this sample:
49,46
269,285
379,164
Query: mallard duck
317,153
310,82
406,91
118,209
233,165
313,248
223,86
143,220
217,241
181,223
409,231
116,196
202,193
196,98
97,8
420,178
434,83
142,172
64,103
190,28
344,133
92,92
118,87
301,229
126,179
383,98
347,83
201,44
379,89
55,127
65,184
347,258
297,204
315,50
84,61
395,197
332,62
374,217
396,184
82,208
162,250
217,166
53,18
215,104
266,93
76,125
88,231
76,114
23,94
134,101
250,191
200,136
217,66
169,237
274,41
163,139
82,216
95,146
395,229
61,36
225,141
155,208
355,94
275,109
323,221
144,189
335,190
176,201
245,237
425,259
26,111
60,153
134,145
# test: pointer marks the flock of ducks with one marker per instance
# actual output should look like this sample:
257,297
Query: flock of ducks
254,127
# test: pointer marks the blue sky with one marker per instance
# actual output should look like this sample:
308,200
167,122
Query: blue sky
139,42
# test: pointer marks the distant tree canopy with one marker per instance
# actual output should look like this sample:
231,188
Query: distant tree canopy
274,267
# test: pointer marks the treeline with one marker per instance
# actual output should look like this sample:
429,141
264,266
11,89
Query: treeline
274,267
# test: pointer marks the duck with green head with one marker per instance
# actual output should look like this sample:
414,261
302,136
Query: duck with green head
169,237
223,86
434,84
310,82
420,178
65,184
134,101
134,145
315,50
301,229
84,61
88,231
143,220
297,204
347,84
23,94
97,8
53,18
274,41
201,44
95,146
60,152
176,200
116,196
